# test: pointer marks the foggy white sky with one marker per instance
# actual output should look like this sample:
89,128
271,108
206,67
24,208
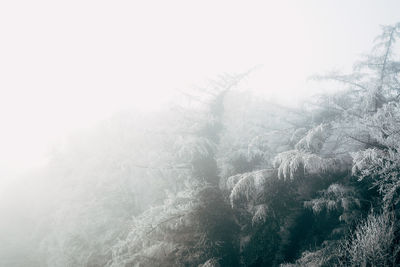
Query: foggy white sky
67,64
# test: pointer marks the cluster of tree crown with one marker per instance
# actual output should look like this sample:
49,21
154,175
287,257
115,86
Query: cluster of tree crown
234,180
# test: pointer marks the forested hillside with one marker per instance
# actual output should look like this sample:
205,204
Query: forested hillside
228,179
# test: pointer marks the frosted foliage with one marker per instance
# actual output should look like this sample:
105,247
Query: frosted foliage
148,238
232,181
258,147
336,197
314,139
372,241
382,162
320,257
292,162
211,263
385,127
366,162
383,167
379,164
249,186
253,131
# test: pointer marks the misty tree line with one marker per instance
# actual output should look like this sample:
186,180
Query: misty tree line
230,180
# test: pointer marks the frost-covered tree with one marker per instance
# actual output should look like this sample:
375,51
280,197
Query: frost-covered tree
196,225
191,228
367,117
316,163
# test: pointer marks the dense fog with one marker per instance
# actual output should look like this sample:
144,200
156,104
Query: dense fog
218,174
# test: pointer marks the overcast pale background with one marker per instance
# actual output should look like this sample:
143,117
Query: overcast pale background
66,64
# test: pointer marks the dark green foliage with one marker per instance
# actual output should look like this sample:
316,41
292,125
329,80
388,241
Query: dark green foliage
261,245
215,221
